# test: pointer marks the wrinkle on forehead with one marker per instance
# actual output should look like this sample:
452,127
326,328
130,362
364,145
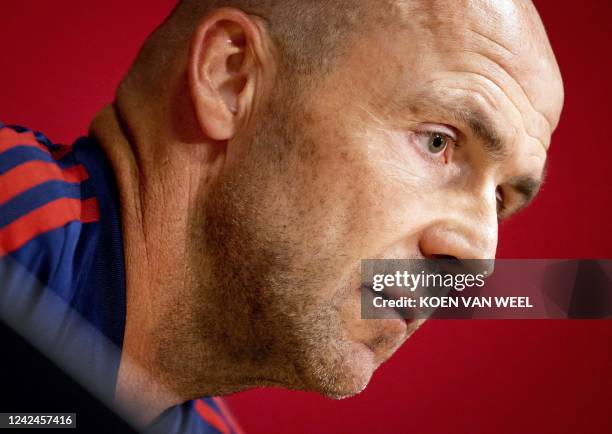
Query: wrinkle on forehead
508,33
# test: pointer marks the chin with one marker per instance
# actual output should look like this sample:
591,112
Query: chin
346,375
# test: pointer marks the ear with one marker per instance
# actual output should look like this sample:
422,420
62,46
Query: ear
224,58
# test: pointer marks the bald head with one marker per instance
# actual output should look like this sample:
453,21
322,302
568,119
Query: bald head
307,34
311,35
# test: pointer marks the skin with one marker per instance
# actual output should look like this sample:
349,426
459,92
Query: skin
246,208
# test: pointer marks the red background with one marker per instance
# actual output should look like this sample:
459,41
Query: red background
61,62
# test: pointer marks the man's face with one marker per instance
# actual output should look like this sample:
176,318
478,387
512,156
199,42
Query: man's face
414,146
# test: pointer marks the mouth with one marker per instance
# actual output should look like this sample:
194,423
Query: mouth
388,312
388,329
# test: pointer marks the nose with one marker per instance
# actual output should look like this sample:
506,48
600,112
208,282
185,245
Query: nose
462,232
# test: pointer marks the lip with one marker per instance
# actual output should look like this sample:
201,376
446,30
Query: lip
398,313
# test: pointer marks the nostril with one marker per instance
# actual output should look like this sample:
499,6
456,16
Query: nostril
448,263
444,257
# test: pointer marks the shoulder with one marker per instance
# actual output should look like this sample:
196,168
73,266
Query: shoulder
43,197
208,415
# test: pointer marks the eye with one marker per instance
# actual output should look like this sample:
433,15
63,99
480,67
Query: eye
435,142
499,198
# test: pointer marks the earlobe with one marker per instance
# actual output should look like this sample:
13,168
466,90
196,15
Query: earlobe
219,68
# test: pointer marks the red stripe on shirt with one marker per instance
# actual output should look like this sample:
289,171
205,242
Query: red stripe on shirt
52,215
32,173
90,212
211,416
227,414
10,138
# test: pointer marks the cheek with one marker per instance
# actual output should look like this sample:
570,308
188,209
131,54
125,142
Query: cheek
358,190
414,189
344,198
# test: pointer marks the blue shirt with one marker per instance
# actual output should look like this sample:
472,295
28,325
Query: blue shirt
62,273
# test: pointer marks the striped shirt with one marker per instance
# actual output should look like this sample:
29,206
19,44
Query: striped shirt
62,275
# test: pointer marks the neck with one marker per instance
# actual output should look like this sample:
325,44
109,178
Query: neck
182,339
154,240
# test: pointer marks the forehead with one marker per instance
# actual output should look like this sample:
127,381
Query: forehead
497,50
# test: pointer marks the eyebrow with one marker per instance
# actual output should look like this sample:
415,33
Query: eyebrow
480,125
464,112
527,187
